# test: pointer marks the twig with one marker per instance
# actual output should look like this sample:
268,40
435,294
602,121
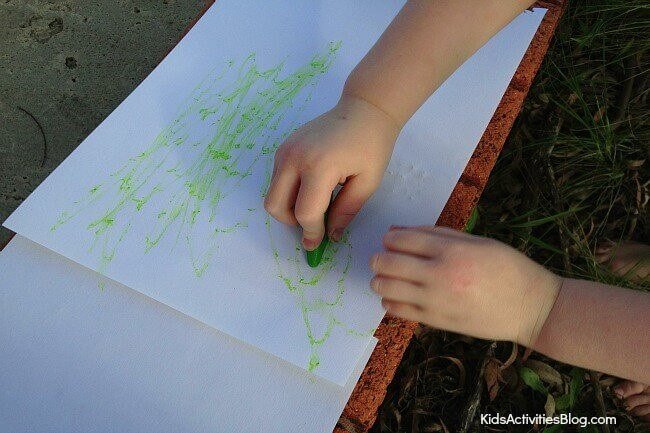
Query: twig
598,392
474,402
40,128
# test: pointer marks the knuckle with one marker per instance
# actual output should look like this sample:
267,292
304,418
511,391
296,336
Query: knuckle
290,152
312,236
278,213
453,249
285,218
430,271
314,163
307,217
282,153
348,209
293,153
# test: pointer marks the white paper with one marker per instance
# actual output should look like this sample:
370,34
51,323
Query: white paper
149,202
79,359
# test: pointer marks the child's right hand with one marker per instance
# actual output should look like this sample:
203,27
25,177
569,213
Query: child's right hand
349,145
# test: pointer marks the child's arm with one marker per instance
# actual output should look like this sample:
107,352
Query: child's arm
599,327
352,143
481,287
426,42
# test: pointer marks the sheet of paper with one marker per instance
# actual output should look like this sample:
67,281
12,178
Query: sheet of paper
165,196
79,359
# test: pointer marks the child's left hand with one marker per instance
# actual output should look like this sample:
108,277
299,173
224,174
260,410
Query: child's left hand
463,283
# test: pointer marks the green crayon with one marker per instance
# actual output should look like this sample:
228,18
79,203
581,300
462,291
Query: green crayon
314,257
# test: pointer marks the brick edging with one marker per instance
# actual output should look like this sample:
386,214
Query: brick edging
395,334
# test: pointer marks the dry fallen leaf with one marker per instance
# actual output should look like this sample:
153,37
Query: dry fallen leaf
549,406
493,377
635,164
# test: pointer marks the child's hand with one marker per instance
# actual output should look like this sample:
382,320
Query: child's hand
349,145
463,283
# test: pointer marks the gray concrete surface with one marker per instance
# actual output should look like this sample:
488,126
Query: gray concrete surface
64,66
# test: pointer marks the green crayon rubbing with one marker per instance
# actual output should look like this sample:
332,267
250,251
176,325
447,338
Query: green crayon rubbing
243,122
243,119
308,286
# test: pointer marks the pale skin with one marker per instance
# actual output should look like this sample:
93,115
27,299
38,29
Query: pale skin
483,288
440,277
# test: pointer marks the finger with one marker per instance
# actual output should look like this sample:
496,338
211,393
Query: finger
425,243
642,412
281,196
604,249
397,290
401,266
311,204
414,242
637,400
602,258
403,310
347,204
436,230
628,388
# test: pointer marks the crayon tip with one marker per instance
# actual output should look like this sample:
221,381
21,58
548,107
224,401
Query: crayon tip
314,257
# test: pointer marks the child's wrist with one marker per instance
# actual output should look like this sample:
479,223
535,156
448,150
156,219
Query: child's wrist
537,306
352,100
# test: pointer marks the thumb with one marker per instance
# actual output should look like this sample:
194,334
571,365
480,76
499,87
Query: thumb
348,202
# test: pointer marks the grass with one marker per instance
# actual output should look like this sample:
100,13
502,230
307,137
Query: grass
574,174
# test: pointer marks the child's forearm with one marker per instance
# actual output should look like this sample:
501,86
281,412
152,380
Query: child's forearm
599,327
425,43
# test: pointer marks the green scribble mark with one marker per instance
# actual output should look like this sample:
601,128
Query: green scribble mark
181,182
312,295
93,194
198,160
313,362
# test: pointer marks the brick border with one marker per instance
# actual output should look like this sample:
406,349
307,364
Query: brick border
395,334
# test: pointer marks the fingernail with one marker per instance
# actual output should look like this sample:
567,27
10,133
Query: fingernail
396,227
336,235
309,244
